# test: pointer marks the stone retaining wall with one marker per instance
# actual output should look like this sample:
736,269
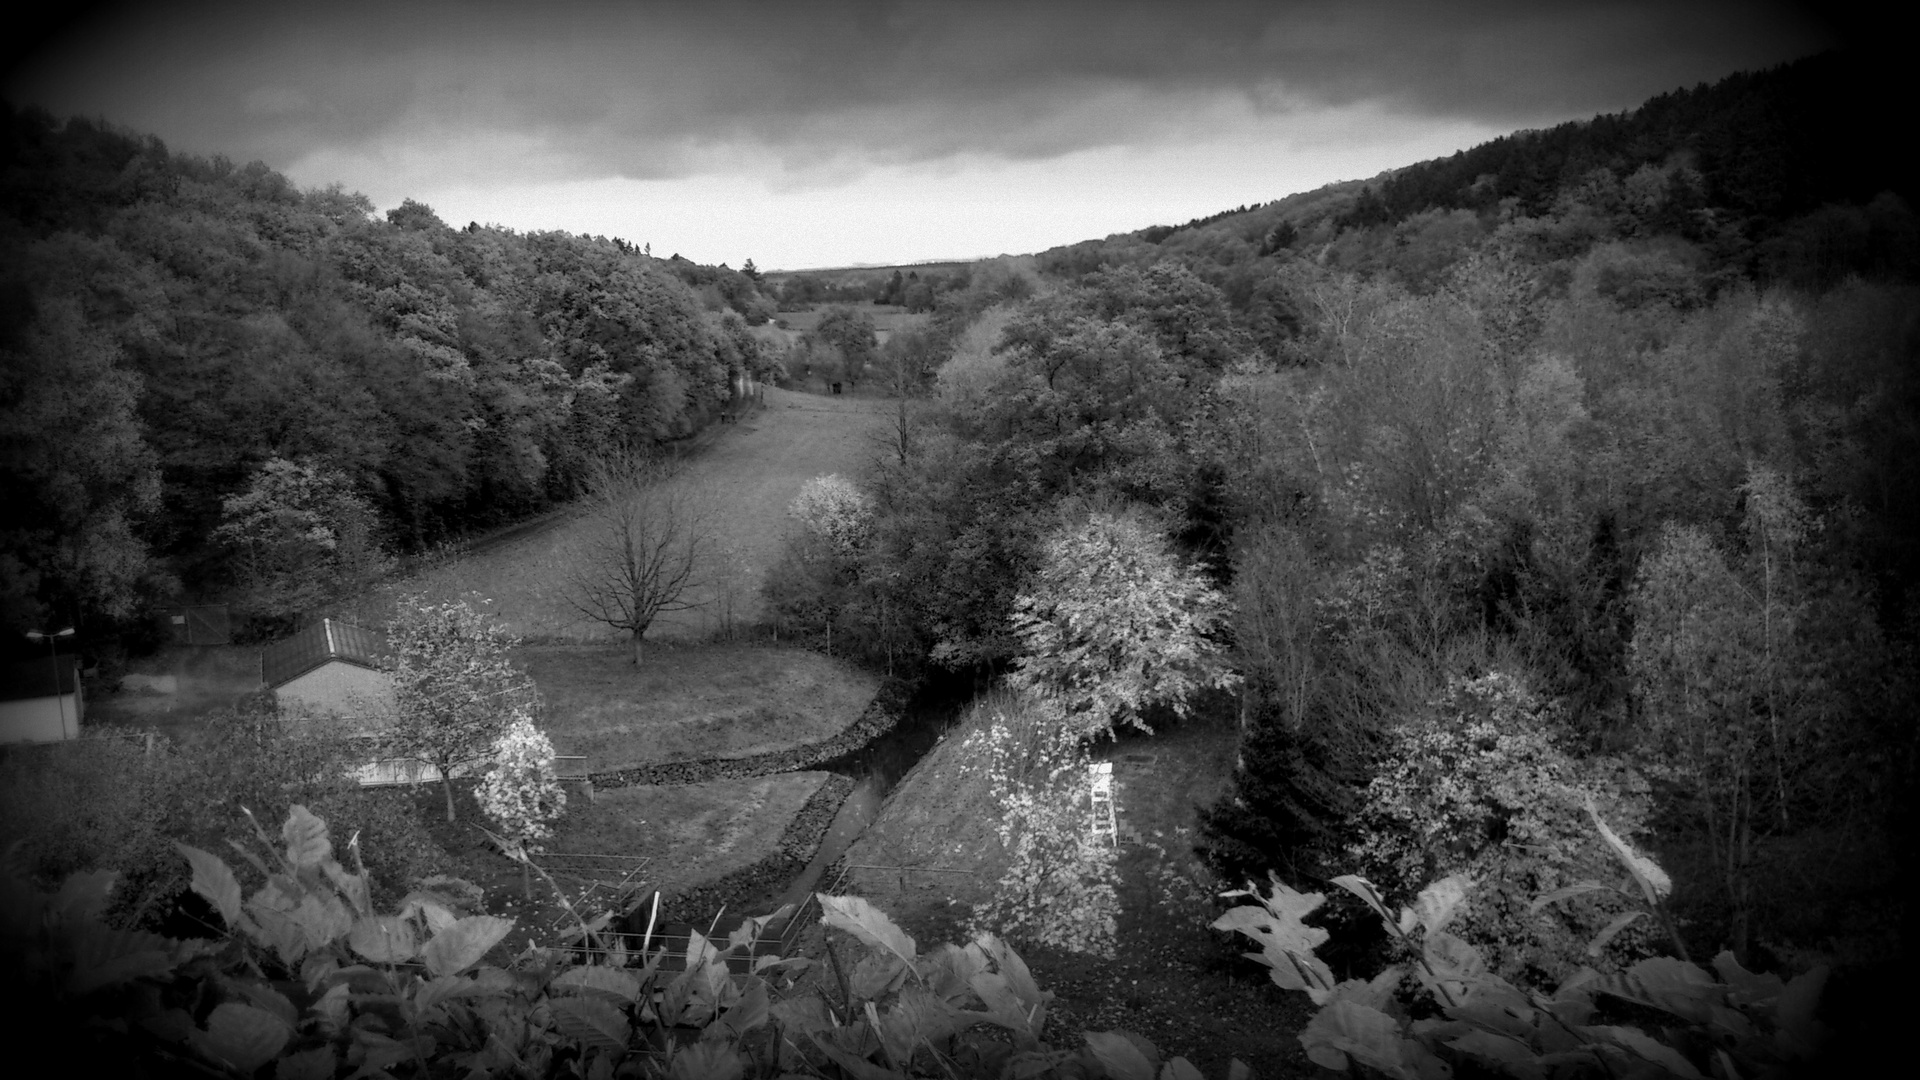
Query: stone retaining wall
801,838
878,718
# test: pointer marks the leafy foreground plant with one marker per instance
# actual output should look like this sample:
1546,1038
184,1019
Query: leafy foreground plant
308,982
1727,1022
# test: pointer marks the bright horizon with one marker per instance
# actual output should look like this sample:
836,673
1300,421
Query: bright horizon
817,136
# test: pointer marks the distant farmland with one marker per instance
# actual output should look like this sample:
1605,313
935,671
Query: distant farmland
887,320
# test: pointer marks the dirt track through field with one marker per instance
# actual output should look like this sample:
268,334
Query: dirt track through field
749,472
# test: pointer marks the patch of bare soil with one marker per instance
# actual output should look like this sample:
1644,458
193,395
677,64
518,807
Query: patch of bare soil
690,702
932,854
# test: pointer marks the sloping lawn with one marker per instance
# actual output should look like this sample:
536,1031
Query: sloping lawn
692,832
745,476
691,702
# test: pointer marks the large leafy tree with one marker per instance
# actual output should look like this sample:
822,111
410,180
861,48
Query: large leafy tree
851,334
1754,675
454,688
76,475
1114,622
299,532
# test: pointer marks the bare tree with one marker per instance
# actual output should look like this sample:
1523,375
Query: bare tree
646,544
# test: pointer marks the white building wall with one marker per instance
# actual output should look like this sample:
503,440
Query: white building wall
342,689
39,719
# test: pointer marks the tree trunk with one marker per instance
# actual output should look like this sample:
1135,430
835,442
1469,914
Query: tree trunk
636,648
446,785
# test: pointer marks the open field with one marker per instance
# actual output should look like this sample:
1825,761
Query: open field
692,832
747,474
691,701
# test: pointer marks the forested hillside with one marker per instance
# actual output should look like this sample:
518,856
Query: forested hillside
1576,466
1589,474
217,382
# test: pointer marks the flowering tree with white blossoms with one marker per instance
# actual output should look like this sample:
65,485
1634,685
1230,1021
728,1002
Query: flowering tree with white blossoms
454,688
835,512
1058,888
519,791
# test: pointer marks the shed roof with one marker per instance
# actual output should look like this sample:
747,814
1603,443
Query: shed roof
29,679
324,641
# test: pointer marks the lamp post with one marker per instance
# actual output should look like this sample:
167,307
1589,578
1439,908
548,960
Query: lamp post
53,654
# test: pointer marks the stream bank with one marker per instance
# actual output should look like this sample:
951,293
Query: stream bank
909,720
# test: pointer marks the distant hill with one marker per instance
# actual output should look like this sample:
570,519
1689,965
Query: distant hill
1732,165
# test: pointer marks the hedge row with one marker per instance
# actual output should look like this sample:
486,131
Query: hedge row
878,718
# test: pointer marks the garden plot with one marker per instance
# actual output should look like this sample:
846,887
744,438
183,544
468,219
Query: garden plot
691,832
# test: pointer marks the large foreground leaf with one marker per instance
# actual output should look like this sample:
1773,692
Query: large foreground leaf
591,1022
461,945
242,1036
306,838
383,939
214,881
1344,1029
868,923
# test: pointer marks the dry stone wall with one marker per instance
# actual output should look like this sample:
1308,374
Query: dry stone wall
801,838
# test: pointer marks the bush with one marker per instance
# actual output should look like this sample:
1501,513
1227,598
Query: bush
95,803
108,803
384,826
1059,886
308,977
1478,785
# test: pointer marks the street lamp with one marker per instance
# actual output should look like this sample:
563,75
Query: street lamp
53,654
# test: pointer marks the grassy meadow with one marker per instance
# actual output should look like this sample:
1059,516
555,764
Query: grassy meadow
745,477
691,701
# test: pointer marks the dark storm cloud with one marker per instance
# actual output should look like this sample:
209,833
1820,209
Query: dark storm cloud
652,89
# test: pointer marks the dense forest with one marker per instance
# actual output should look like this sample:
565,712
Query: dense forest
1590,473
1576,462
218,383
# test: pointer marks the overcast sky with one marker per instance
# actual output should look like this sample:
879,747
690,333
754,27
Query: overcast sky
805,134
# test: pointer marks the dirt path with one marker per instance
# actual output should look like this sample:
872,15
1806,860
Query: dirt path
749,471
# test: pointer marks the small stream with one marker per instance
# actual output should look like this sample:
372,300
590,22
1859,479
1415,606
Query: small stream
878,766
